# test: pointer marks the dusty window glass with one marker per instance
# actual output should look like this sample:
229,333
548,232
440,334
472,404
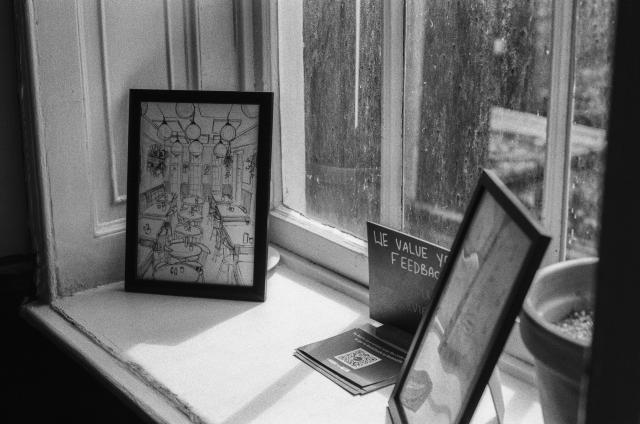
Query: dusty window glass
342,86
476,94
595,23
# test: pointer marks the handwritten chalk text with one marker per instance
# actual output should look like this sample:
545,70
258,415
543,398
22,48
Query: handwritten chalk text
410,265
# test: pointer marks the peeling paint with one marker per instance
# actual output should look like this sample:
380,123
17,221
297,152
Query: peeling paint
134,368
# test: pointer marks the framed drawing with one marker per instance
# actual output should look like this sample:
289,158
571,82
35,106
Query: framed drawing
196,225
494,257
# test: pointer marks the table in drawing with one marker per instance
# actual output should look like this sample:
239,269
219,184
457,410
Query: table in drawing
190,233
231,213
188,216
182,252
193,203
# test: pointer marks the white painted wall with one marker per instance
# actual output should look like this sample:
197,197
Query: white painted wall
84,56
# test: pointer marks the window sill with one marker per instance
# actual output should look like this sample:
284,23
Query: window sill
182,360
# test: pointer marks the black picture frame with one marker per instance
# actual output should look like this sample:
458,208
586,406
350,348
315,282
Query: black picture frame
189,232
459,340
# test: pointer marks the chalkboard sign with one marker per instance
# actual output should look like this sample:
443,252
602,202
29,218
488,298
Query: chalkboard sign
403,272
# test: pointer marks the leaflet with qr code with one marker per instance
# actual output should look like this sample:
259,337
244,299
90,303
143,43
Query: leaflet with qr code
358,358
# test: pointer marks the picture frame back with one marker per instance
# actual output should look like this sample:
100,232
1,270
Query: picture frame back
496,252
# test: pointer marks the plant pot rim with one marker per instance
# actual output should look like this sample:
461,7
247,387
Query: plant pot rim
536,318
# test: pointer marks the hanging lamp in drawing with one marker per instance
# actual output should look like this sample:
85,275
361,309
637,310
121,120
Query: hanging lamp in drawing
185,110
220,149
196,148
164,131
228,131
227,134
193,130
176,147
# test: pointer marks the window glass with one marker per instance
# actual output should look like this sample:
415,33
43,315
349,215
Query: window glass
476,94
476,90
595,23
342,77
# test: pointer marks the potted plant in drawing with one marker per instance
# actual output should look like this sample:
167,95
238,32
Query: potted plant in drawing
251,166
556,326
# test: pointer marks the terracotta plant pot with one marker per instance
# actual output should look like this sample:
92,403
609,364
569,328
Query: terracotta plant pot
560,360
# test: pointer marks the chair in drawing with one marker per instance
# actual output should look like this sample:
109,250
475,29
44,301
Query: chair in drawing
145,259
193,239
197,208
197,222
215,220
229,264
163,240
174,220
174,200
211,210
184,192
201,261
245,255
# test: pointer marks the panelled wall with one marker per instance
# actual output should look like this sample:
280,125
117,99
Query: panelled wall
84,56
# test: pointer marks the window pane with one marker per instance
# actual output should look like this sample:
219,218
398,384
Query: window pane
476,89
342,75
594,49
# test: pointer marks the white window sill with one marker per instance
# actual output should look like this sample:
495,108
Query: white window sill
182,360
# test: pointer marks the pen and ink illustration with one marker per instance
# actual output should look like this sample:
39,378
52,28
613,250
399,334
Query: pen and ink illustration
197,192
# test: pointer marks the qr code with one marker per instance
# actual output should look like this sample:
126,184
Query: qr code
357,359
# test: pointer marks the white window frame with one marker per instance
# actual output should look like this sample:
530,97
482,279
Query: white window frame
322,244
343,252
282,68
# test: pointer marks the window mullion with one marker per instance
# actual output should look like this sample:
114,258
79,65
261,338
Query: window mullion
391,206
560,117
244,23
267,73
292,131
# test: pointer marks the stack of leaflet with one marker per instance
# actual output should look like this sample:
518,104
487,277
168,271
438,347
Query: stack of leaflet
404,274
358,360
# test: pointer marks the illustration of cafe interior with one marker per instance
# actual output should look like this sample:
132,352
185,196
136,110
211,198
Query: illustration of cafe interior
197,192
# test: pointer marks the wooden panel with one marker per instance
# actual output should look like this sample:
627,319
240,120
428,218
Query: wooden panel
85,56
135,53
123,45
107,194
218,57
62,142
